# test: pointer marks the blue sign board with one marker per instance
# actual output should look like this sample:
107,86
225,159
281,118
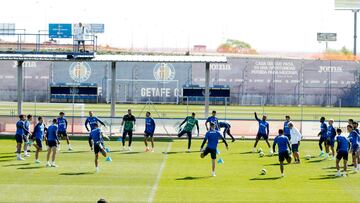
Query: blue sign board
60,31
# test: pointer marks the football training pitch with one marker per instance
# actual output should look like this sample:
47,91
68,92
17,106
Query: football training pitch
171,175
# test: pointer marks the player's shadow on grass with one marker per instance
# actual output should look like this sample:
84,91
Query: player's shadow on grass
30,167
7,156
330,168
249,152
131,152
180,152
74,152
5,160
193,178
325,177
269,178
76,174
22,164
316,161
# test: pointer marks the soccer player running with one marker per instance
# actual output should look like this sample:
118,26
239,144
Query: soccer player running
26,136
149,132
283,147
226,127
323,135
52,142
212,137
19,135
92,120
295,138
190,121
263,132
342,149
128,122
355,150
39,133
286,127
330,140
99,146
62,128
212,119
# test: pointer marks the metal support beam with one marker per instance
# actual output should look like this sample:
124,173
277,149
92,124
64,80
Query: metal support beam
207,89
20,78
113,88
355,29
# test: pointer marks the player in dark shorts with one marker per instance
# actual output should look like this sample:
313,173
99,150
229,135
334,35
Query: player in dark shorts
263,132
62,129
284,149
26,136
323,135
39,133
149,132
226,127
52,141
92,120
330,139
99,146
355,146
286,127
342,149
128,122
190,121
212,137
19,135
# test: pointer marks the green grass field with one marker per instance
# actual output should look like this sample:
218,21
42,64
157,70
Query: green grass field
180,111
174,176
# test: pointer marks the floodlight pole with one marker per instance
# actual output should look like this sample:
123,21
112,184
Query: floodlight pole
207,90
20,77
113,88
355,29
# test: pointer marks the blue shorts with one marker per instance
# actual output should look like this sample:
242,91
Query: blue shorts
284,155
342,155
261,135
211,151
19,138
52,143
148,134
288,136
98,146
354,150
332,142
322,139
39,143
295,147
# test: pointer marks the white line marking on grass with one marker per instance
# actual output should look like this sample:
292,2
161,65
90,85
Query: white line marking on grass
158,177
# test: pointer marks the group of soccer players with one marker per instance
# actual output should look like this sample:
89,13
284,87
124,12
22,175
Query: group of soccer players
287,140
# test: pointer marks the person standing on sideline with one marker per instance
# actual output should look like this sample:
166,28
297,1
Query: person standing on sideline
128,122
295,138
80,37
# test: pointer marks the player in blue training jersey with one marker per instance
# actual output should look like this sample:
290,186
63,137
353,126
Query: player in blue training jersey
263,132
19,135
39,133
226,127
342,150
322,134
97,137
212,119
62,129
355,147
356,125
212,137
283,148
286,127
52,141
26,136
149,132
92,120
330,139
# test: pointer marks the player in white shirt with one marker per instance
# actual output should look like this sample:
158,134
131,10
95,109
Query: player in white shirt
295,138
